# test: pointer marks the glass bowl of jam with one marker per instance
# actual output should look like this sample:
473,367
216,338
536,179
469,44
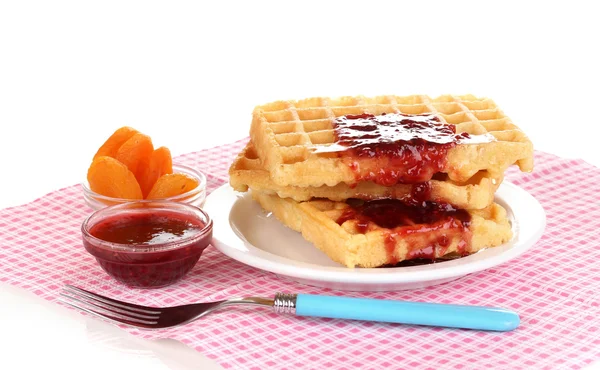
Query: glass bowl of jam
195,197
147,244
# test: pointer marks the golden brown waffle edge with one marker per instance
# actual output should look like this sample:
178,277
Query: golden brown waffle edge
345,245
248,172
286,132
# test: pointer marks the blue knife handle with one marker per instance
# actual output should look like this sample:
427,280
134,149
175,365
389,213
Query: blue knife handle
416,313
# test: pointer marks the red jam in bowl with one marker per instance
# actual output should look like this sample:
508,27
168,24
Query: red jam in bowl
147,244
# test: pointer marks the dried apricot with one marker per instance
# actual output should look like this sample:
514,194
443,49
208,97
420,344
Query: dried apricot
173,184
109,177
135,154
114,142
160,163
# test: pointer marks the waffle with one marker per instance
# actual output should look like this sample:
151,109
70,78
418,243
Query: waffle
288,136
248,172
377,246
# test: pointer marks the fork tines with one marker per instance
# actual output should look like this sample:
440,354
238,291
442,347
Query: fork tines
110,309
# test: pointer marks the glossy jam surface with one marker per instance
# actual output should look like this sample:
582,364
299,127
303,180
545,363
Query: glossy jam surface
394,148
419,194
154,248
428,227
146,229
370,134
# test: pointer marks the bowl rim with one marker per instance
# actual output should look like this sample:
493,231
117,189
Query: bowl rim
198,189
154,248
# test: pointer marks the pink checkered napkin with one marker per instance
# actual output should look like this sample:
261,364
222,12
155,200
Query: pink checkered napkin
555,287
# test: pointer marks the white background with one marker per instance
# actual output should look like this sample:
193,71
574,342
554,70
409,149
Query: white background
188,74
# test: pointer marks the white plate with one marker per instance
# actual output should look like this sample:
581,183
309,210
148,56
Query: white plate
244,232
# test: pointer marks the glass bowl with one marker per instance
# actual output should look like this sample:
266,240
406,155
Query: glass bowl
147,244
195,197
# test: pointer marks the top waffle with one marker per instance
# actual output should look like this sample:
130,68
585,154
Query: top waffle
293,139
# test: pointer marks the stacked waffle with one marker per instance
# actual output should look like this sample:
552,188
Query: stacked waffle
377,181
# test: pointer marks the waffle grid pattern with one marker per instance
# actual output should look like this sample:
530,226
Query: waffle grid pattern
555,288
287,132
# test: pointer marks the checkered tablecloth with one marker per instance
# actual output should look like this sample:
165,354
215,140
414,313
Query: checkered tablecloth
555,287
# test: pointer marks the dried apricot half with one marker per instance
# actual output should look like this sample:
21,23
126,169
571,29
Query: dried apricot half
109,177
135,153
160,163
114,142
173,184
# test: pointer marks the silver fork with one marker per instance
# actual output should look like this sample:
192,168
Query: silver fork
382,310
160,317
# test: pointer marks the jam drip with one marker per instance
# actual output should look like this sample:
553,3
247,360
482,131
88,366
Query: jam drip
394,148
428,227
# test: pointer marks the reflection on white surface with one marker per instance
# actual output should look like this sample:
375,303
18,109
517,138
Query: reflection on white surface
45,335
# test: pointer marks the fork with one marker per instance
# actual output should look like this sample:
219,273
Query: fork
381,310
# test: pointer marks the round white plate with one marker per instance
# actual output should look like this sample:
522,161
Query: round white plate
246,233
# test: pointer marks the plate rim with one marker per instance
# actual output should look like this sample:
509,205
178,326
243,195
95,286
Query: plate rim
266,261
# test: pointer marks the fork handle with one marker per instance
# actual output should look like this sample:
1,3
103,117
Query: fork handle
416,313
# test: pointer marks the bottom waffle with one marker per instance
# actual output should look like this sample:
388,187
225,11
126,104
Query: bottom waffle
477,193
362,234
